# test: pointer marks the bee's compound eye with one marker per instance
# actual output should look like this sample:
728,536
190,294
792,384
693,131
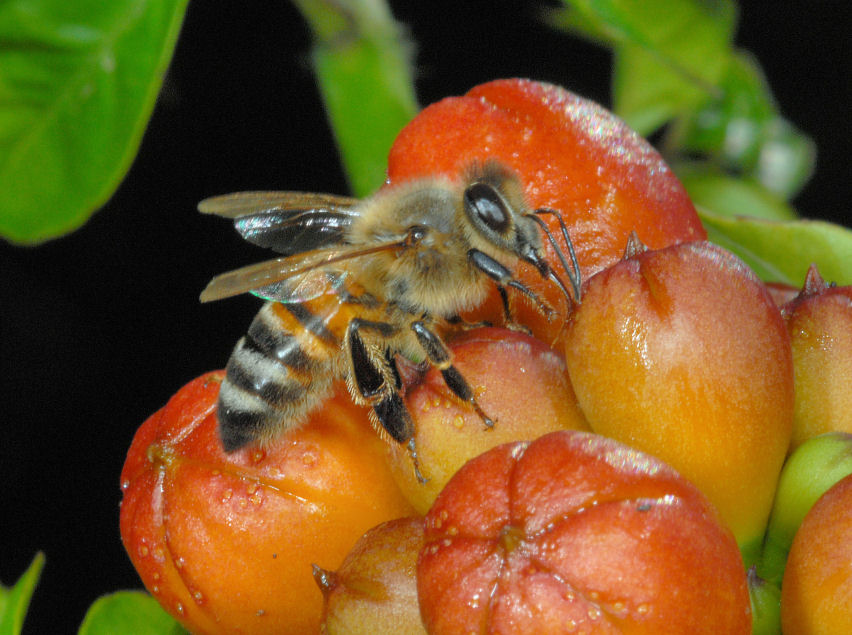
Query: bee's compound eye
486,205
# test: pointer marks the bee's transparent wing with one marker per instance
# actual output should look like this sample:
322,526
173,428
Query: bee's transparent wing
286,222
296,278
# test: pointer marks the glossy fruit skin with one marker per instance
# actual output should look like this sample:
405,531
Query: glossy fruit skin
519,381
573,155
374,592
225,542
682,353
576,531
816,595
820,323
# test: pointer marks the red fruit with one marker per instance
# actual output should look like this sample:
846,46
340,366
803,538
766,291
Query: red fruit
820,323
574,532
518,381
681,353
816,593
225,542
571,154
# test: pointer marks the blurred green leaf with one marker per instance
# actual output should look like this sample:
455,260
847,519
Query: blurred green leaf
669,54
781,251
15,600
362,63
78,81
128,612
744,131
728,196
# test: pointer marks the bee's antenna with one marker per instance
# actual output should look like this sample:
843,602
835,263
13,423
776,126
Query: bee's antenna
573,270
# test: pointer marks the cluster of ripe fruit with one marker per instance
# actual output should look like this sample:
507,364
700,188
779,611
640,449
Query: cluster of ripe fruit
638,439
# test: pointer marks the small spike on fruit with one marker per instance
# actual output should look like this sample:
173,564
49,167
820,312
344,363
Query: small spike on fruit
634,246
326,580
814,282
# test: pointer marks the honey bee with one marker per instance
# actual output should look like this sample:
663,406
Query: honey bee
360,282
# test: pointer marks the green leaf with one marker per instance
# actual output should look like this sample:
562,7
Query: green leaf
781,251
78,82
362,64
727,196
14,601
128,612
744,131
669,54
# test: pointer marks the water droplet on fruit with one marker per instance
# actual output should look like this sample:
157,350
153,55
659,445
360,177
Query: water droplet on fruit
179,608
143,551
125,484
570,626
594,613
643,609
252,487
227,496
198,597
309,459
180,562
458,422
155,589
159,554
156,576
452,530
258,456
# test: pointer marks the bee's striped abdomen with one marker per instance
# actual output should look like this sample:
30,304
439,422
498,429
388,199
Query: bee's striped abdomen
279,371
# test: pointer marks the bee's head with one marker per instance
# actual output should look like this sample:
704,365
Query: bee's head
494,203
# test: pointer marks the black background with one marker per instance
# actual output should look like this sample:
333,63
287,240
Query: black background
99,328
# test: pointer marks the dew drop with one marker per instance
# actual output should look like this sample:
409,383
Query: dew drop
198,597
159,554
458,422
594,613
452,530
252,487
180,562
155,588
643,609
227,495
258,456
179,608
143,551
125,484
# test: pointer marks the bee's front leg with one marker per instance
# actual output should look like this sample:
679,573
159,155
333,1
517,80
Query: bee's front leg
439,356
375,381
503,277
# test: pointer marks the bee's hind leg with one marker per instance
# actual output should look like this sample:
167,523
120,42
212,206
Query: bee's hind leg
375,381
439,356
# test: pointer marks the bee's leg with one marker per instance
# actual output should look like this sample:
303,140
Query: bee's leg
457,320
503,277
376,382
439,356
